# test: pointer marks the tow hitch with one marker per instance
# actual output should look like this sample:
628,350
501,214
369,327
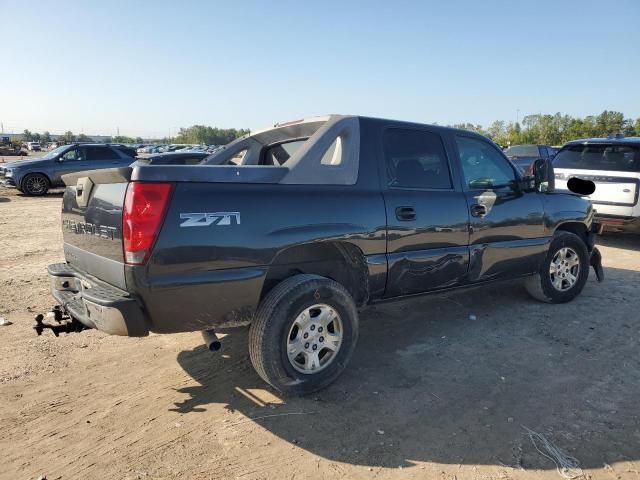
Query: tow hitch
64,323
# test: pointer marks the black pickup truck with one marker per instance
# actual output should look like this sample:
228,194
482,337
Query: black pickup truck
293,229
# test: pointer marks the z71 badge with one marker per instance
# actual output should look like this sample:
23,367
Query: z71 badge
206,219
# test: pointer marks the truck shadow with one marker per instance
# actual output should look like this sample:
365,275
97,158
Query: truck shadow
627,241
431,382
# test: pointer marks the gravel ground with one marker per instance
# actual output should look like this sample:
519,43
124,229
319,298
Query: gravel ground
430,394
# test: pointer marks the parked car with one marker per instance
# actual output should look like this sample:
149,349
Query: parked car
175,158
613,164
321,217
37,176
34,146
523,156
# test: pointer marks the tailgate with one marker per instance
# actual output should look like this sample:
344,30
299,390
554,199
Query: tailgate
92,223
612,188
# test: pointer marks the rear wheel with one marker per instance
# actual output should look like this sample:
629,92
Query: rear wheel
35,184
563,272
303,335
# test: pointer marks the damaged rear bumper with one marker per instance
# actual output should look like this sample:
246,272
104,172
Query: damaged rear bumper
96,304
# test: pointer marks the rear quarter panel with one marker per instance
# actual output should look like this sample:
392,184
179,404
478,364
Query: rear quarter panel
205,275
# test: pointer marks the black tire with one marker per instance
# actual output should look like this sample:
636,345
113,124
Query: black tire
35,184
270,330
540,285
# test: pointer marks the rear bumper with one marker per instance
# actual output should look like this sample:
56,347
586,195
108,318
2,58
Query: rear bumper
619,223
96,304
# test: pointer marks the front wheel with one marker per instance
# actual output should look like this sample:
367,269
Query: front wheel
35,184
563,272
303,334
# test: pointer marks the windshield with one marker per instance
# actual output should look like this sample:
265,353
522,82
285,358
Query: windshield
54,153
522,151
621,158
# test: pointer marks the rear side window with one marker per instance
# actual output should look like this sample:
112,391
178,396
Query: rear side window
415,159
622,158
99,153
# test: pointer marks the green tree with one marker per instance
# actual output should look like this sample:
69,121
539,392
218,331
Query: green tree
138,140
68,137
123,139
608,122
498,132
628,129
46,137
83,138
201,134
27,135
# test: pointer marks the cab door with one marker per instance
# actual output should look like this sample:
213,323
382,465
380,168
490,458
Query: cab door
506,231
427,215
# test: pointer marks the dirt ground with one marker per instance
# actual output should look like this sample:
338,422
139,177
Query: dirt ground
431,393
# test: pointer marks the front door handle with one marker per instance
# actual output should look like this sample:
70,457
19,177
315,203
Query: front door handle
405,214
478,210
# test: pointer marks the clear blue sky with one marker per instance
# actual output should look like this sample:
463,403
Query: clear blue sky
149,67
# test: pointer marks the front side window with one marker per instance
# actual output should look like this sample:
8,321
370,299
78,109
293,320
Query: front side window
482,165
72,155
415,159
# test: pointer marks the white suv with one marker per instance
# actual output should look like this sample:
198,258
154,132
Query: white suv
613,164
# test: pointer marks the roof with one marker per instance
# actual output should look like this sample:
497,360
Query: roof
612,140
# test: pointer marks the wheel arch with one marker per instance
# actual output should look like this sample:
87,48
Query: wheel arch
35,173
343,262
577,228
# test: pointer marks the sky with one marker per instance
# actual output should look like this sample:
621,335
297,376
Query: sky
147,68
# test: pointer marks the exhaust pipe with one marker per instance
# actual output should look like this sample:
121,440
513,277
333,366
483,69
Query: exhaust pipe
211,340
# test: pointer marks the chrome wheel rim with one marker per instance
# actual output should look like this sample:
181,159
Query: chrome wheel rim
564,269
35,185
314,339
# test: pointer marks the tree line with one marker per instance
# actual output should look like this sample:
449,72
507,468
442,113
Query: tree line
536,129
556,129
196,134
202,134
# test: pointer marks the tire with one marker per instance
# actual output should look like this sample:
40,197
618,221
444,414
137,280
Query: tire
298,306
35,184
541,285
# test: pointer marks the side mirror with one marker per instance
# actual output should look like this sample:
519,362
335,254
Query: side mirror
544,177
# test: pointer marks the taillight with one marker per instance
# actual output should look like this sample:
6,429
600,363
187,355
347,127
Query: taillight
145,205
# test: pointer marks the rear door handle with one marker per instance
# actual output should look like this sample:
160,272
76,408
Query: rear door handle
405,214
478,210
